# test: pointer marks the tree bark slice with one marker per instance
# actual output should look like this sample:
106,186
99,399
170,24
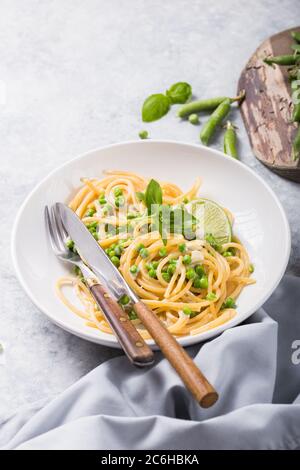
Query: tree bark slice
266,111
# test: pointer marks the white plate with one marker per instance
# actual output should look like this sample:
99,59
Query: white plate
260,222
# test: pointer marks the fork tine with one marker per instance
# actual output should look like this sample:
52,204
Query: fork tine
49,230
62,230
58,238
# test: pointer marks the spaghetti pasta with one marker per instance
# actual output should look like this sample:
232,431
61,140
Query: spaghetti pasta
191,284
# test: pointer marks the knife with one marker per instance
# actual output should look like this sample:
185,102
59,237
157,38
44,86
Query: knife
101,265
106,287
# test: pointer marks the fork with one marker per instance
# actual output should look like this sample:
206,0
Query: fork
134,346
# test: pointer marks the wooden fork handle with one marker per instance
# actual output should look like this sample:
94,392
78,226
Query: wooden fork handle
192,377
137,351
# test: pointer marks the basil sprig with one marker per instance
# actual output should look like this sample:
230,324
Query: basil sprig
179,93
156,106
165,219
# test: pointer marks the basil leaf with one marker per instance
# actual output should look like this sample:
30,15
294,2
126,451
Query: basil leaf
155,107
179,93
153,195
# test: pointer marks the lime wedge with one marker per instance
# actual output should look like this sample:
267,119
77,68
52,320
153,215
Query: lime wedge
211,220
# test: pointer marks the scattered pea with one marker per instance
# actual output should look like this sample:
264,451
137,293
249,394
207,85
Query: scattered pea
204,282
171,269
140,247
190,274
194,119
199,270
143,134
187,259
115,260
211,296
152,273
70,244
144,253
251,268
132,315
120,201
124,300
187,311
229,303
90,212
133,269
162,252
166,277
182,247
197,283
118,192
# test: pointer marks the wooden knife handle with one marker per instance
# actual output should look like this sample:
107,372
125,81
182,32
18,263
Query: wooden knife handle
137,351
192,377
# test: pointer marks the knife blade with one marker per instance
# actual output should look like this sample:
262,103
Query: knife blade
93,254
95,261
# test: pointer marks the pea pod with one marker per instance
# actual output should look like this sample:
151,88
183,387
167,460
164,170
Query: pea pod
215,119
206,105
230,140
296,35
296,105
296,146
282,60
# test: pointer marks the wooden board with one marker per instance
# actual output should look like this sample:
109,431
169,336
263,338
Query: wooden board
266,111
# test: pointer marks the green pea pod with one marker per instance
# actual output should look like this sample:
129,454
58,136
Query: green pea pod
282,60
215,119
296,146
296,35
230,141
296,113
206,105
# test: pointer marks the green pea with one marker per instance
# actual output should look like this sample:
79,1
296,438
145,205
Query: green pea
227,254
115,260
140,247
171,269
143,134
194,119
90,212
251,268
187,311
230,141
107,209
155,264
162,252
215,119
133,269
70,244
118,192
132,315
120,201
187,259
190,274
102,200
229,303
118,250
152,273
211,296
186,200
182,247
124,300
144,253
95,235
204,282
166,277
197,283
199,270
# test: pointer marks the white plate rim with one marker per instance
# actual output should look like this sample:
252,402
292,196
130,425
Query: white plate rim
186,340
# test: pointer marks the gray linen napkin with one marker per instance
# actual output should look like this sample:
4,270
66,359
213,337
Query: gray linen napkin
253,366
